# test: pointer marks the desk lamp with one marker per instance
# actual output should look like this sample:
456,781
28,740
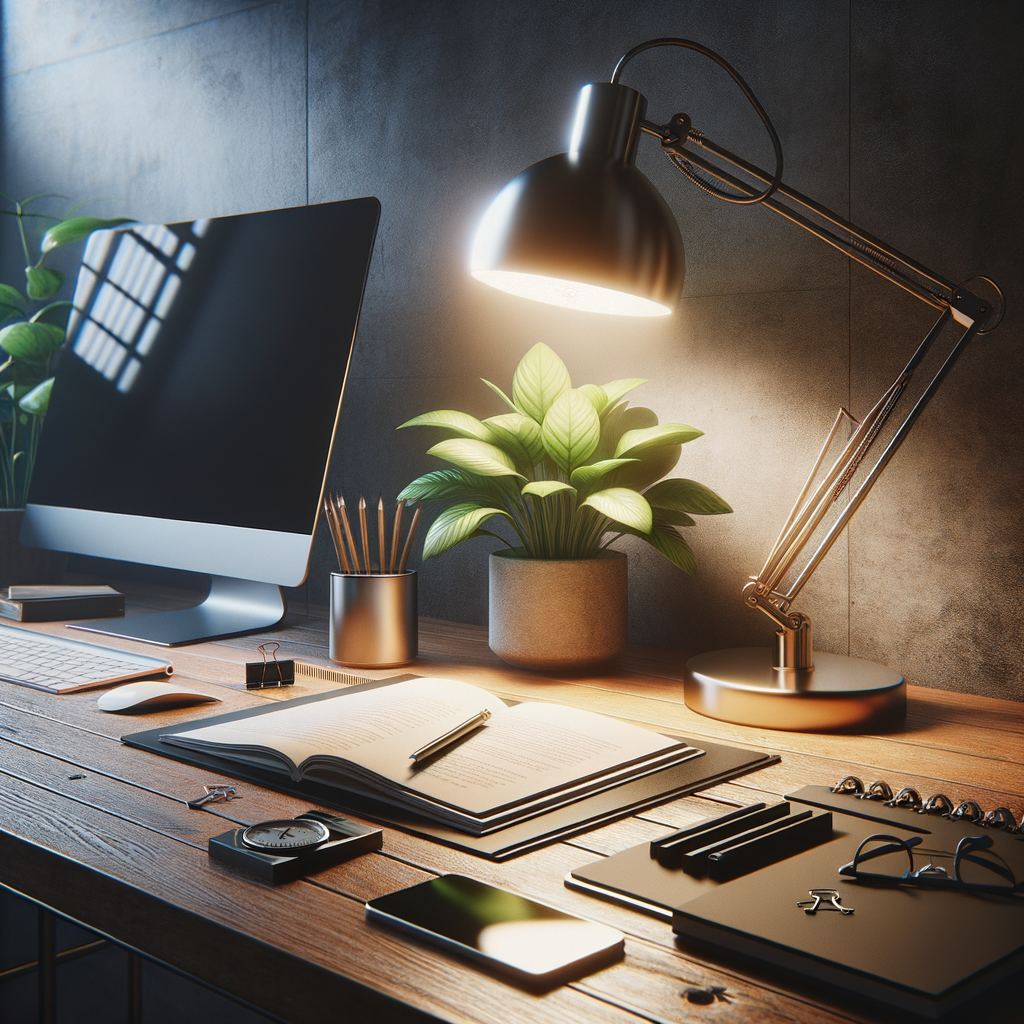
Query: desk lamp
587,230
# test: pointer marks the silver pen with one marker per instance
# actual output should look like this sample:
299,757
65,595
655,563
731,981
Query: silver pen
451,736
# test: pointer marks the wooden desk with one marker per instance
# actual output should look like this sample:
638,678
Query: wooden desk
118,850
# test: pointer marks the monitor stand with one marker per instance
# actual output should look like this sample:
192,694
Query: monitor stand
232,607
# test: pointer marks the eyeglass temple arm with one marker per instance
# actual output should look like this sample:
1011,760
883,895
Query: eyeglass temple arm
956,303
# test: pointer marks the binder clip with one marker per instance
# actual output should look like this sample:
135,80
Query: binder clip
260,674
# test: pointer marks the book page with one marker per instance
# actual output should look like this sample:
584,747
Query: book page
530,749
369,735
380,726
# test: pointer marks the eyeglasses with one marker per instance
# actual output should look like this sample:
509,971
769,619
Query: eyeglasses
975,865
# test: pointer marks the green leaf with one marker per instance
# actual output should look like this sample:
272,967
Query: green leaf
618,389
687,496
585,477
598,399
41,195
648,469
42,282
55,313
539,379
37,401
543,488
624,506
508,441
456,524
571,430
77,228
475,456
33,342
12,297
616,421
636,442
670,517
501,394
461,423
673,547
526,430
449,483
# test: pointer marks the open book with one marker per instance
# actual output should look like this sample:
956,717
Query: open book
526,760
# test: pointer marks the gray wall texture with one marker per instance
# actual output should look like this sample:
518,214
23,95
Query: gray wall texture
903,117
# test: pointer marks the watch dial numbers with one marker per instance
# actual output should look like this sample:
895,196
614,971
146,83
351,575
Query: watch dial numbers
285,835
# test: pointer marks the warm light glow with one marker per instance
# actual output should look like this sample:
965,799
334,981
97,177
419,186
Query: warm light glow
590,298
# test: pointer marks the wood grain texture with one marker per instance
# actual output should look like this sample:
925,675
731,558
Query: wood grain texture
119,850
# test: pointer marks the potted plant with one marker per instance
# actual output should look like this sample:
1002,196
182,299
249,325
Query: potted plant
32,327
569,471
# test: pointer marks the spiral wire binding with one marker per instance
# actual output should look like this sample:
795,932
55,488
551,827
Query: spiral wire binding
938,803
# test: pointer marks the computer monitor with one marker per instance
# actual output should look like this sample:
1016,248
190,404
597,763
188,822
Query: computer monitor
195,404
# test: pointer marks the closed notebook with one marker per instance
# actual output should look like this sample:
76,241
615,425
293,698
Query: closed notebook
525,761
61,603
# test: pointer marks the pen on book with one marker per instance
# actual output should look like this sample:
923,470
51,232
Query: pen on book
451,736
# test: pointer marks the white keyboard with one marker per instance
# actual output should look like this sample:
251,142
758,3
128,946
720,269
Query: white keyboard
63,666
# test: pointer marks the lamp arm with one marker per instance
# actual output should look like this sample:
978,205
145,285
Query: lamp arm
854,242
765,591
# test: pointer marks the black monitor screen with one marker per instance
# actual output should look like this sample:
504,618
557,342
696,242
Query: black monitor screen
203,367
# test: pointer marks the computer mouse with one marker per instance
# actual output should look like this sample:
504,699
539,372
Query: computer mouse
145,696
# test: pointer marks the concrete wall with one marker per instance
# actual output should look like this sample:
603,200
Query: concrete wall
901,116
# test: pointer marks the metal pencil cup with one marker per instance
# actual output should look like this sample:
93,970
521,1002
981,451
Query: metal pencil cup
374,619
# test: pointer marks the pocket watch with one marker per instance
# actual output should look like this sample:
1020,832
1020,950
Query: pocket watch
287,848
292,835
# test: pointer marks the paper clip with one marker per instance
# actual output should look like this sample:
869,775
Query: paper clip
214,794
269,673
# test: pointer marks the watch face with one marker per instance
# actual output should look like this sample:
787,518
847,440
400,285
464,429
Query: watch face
285,836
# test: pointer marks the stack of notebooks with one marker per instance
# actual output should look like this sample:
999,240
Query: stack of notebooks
527,760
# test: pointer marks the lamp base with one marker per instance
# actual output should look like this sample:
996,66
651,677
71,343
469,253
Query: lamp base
838,694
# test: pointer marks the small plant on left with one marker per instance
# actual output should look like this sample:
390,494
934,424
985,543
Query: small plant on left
32,327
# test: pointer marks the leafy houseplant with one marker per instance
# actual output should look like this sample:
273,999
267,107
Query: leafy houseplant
569,470
31,330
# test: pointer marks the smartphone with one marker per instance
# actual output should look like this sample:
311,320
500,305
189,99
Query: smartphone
530,942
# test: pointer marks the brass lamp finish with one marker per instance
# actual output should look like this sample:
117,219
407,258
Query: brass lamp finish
839,694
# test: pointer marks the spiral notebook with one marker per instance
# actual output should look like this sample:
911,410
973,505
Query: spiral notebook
926,950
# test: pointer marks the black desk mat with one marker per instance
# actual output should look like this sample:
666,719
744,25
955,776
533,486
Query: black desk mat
718,764
921,950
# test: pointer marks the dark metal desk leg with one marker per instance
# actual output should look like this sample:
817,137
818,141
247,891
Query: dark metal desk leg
134,989
46,931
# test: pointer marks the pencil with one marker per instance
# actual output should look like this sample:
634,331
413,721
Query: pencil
335,527
364,534
407,550
348,531
380,534
396,536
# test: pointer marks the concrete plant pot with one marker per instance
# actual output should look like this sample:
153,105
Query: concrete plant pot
550,613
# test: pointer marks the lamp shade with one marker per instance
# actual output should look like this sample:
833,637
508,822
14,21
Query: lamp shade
586,229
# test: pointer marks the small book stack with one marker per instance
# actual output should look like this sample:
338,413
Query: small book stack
58,603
